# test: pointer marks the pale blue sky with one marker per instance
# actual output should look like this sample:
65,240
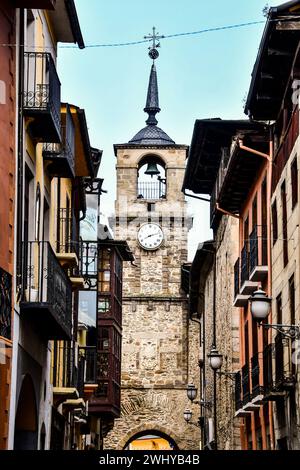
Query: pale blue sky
199,76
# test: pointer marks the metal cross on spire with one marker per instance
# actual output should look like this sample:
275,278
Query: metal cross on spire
153,52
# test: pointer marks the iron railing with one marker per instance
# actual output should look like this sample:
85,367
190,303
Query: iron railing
5,303
151,190
67,369
58,152
41,85
244,264
245,384
257,389
89,353
258,239
236,277
88,263
238,391
279,361
68,232
45,282
269,385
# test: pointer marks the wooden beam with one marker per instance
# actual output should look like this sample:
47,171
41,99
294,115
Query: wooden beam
288,26
279,52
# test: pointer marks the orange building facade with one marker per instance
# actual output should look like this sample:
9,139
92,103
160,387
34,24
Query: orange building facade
7,178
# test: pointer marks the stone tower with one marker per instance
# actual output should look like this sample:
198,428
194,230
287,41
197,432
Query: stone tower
151,216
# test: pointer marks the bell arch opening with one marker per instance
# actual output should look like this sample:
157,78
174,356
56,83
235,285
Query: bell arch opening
151,180
151,440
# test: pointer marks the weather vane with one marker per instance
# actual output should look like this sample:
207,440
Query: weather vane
153,52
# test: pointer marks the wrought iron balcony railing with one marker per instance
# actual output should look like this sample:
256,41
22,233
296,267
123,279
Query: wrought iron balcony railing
68,232
62,155
47,291
257,388
41,96
236,277
258,247
244,264
238,391
89,353
5,303
66,373
246,384
151,190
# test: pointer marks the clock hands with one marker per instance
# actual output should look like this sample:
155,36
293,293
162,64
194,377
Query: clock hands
151,235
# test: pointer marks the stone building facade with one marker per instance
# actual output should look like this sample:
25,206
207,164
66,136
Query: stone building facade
156,327
227,332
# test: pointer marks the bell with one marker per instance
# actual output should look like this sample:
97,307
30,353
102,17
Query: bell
152,169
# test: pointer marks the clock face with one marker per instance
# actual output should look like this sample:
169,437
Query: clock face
150,236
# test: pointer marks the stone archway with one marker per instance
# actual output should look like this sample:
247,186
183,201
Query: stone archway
143,429
26,422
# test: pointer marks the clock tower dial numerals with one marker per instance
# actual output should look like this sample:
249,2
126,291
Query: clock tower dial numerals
150,236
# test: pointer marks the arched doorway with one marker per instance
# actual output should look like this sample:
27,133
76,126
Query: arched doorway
151,440
26,427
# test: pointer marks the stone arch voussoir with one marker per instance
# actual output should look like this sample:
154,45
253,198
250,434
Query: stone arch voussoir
147,427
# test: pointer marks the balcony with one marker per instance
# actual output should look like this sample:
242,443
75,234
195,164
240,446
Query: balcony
239,299
151,191
89,357
272,391
5,304
257,392
247,405
106,399
41,96
67,374
247,286
239,411
258,256
61,156
284,379
47,292
68,247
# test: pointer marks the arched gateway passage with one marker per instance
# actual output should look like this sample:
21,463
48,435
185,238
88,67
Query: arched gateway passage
151,440
26,429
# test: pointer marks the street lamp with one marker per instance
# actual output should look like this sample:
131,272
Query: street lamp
187,414
191,392
260,305
215,359
260,309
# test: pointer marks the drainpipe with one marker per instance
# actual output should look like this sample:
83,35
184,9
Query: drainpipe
20,169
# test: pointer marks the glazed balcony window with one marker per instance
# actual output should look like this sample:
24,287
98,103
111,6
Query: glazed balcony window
41,96
47,292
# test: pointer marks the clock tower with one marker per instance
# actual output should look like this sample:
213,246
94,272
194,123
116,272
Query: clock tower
151,215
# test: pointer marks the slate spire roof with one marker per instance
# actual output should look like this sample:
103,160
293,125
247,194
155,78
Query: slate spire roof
152,134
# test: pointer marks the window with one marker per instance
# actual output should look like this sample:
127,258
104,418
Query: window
292,299
294,182
275,222
279,309
284,224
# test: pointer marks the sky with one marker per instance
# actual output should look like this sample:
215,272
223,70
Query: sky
199,76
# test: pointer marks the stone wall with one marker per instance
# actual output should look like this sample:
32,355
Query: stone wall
227,334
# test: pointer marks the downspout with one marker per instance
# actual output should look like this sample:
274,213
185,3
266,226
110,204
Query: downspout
20,169
215,343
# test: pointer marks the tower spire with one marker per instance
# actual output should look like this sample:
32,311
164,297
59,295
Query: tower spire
152,103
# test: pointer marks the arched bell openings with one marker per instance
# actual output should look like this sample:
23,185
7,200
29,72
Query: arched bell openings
152,182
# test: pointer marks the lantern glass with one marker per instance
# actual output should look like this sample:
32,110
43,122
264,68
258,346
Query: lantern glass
260,305
215,359
187,415
191,392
